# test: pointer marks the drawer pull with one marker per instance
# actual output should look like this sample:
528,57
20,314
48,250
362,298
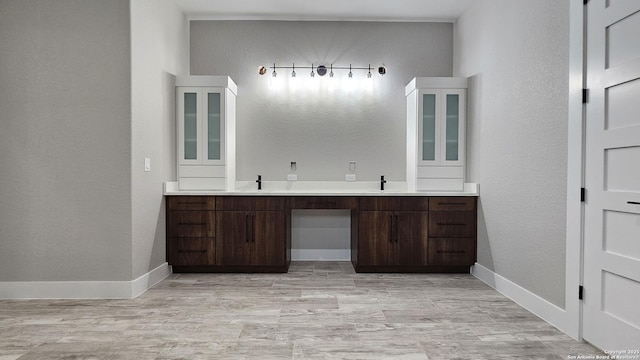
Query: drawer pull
451,252
191,203
451,224
192,251
192,224
633,202
452,203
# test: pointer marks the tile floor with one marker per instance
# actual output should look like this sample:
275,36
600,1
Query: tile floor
318,310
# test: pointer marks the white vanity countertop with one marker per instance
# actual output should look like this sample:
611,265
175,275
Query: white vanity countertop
320,188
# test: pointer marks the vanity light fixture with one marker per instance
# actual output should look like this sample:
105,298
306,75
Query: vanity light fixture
321,70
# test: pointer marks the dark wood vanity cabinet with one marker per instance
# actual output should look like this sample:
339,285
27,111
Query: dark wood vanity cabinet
252,233
392,238
388,233
415,234
191,230
452,231
227,233
391,234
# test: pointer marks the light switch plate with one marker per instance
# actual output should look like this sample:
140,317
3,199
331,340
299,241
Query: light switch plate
292,177
147,164
350,177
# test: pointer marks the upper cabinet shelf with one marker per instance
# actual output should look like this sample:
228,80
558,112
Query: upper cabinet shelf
436,109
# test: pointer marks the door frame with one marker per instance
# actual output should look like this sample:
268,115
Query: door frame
575,171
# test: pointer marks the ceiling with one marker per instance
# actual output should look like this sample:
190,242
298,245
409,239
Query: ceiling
326,10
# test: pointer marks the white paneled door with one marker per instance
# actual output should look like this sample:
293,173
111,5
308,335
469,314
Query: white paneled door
611,317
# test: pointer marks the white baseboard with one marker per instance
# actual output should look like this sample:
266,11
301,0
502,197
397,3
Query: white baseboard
320,254
83,289
542,308
145,282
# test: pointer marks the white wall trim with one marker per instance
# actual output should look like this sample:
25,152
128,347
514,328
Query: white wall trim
145,282
83,289
542,308
321,254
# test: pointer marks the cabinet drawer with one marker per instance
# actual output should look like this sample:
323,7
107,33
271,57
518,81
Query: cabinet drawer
452,224
191,223
191,251
250,203
409,203
463,203
191,202
270,203
451,251
323,202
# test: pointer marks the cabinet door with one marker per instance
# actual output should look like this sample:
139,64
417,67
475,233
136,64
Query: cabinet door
452,135
189,125
376,238
411,237
213,126
441,127
233,240
268,238
429,147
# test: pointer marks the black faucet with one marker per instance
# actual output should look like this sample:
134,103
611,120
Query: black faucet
259,181
382,182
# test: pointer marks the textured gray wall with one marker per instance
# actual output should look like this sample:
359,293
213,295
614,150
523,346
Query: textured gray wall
319,129
517,55
160,50
65,179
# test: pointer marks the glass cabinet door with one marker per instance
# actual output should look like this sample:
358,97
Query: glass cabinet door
452,127
190,114
189,143
214,129
453,146
428,127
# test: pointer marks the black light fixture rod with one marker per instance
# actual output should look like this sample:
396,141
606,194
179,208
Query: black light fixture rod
313,67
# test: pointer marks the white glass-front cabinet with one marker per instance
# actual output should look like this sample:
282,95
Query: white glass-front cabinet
436,109
206,108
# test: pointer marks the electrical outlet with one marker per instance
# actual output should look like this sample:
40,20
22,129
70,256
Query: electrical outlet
350,177
352,166
292,177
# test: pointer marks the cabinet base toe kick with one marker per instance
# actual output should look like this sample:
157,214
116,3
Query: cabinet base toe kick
230,269
413,269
